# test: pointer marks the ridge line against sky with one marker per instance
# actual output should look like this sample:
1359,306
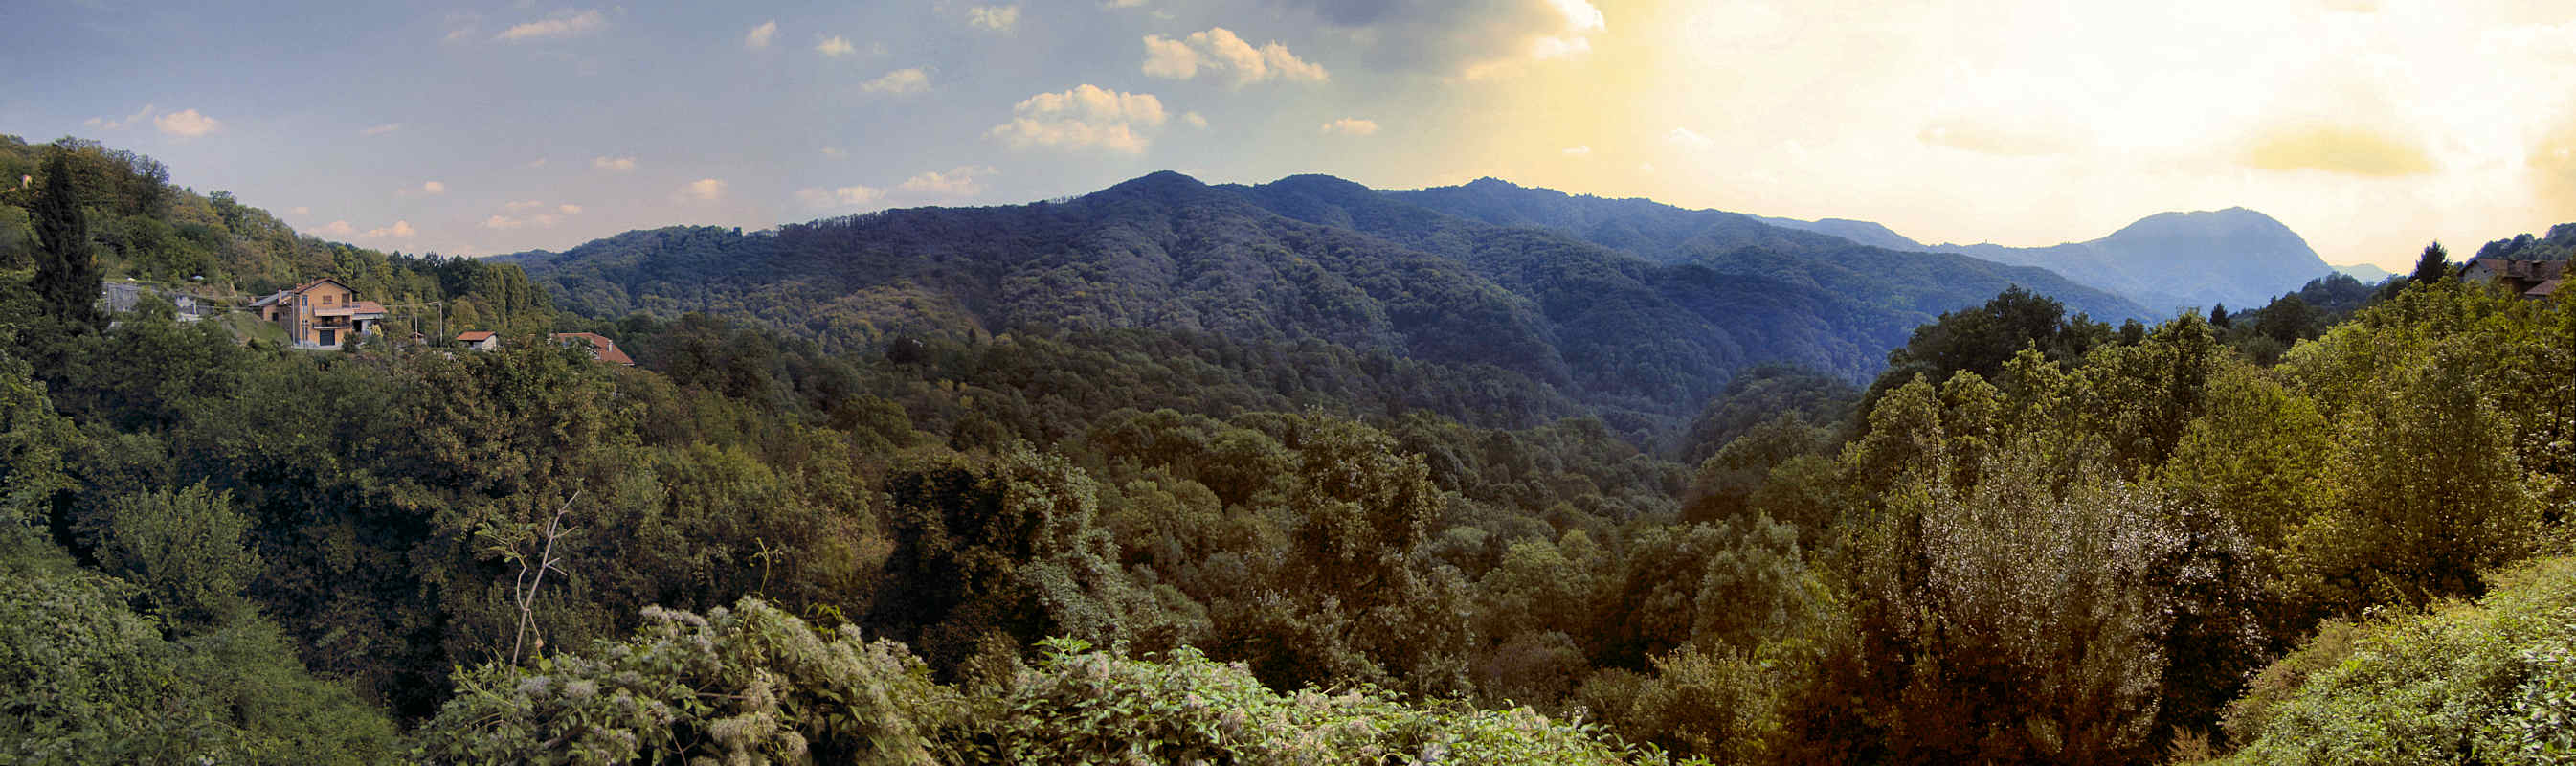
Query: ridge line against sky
2368,126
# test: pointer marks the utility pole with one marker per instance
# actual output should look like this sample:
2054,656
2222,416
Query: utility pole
442,314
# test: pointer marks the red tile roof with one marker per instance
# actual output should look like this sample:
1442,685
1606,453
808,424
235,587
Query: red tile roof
2536,279
474,336
601,348
299,290
317,283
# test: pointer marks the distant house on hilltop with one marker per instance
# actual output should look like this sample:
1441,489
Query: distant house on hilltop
479,340
2529,279
320,314
601,348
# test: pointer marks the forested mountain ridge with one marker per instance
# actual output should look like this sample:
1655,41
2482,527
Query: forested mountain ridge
1161,252
1643,342
2163,262
1866,281
2558,244
1864,232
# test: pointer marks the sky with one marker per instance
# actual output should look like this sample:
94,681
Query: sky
2368,126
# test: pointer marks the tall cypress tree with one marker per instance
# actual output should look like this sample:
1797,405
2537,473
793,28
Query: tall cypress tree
2433,266
67,280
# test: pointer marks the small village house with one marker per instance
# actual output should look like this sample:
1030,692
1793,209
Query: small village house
479,340
2529,279
601,348
322,313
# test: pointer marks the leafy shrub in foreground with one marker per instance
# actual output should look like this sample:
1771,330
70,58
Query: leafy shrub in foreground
1083,706
2489,682
86,679
750,684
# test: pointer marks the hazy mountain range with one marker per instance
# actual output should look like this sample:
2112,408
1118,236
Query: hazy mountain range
2165,261
1627,305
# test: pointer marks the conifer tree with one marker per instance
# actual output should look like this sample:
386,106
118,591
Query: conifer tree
67,280
2432,266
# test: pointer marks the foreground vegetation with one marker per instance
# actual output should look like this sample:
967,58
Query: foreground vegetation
2492,681
2037,538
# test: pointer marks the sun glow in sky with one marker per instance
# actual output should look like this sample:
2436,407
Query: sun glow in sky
2369,126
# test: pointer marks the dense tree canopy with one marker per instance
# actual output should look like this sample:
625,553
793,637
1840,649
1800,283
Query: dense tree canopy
1045,538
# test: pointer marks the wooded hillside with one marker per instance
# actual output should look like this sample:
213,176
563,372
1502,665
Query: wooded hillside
2042,538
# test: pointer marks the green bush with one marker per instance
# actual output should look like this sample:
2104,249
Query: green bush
1081,706
2486,682
84,679
749,684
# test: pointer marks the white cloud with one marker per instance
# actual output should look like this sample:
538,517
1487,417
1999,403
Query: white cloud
1122,3
562,24
1472,40
834,153
1085,117
2003,138
760,35
704,190
517,215
846,196
528,213
1220,49
380,129
1579,151
1195,119
1581,20
432,187
537,163
463,26
1169,58
899,81
835,46
2537,42
186,124
999,18
300,210
1580,15
957,183
1689,139
620,164
1351,126
336,229
1554,47
108,124
400,230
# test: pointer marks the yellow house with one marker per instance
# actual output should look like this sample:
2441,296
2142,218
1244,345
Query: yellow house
321,314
